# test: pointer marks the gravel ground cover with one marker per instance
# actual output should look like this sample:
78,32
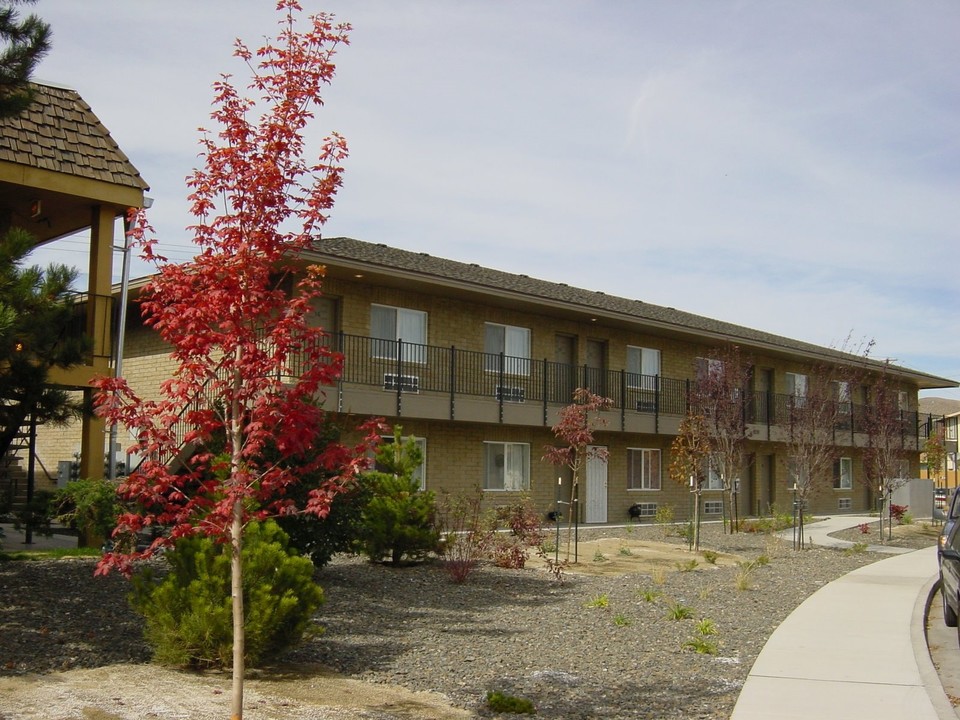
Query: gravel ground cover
600,644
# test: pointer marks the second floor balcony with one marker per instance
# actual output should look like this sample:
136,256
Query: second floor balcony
399,379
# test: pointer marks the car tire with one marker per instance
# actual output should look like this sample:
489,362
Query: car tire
949,614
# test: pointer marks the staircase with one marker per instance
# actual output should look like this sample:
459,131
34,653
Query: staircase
13,473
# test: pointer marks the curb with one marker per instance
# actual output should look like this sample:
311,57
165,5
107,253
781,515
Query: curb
918,637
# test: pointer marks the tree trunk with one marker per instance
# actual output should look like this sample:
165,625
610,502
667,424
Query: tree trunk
236,588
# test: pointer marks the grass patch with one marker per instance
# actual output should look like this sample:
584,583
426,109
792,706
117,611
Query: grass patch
49,554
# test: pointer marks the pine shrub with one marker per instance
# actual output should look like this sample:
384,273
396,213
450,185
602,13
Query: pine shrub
399,520
188,610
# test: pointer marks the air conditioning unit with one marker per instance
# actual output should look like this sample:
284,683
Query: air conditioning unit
647,406
407,383
511,394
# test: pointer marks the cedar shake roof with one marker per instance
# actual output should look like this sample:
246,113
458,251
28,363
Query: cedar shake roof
60,133
391,260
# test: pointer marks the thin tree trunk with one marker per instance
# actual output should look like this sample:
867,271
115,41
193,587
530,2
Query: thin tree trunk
236,551
236,588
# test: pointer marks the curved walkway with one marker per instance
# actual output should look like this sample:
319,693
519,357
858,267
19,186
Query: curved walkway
853,650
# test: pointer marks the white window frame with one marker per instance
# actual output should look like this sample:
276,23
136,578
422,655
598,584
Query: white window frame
511,340
951,423
512,472
643,367
713,507
405,322
843,480
649,479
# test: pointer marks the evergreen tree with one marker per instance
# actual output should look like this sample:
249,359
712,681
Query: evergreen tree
399,520
35,318
25,43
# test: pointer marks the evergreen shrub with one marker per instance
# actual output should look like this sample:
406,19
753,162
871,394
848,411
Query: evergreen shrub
188,610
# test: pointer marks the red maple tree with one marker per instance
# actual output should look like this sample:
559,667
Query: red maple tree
249,366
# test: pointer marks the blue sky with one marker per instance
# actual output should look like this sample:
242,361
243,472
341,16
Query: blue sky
789,166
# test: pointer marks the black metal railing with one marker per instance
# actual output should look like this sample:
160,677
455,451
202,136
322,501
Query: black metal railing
402,367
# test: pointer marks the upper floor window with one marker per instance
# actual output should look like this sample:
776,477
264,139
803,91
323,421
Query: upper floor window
388,325
903,400
951,428
843,474
506,466
643,367
643,469
796,385
513,343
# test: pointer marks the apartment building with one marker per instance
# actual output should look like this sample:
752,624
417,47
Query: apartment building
475,363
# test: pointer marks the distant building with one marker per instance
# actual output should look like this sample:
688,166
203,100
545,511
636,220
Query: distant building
943,412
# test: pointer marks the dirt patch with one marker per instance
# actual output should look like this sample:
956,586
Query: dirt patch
624,556
130,692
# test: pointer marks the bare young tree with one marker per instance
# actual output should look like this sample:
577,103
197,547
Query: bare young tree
719,394
574,429
887,452
689,457
815,409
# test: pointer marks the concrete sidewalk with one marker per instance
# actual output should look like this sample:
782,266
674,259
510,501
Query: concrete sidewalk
854,650
819,533
14,539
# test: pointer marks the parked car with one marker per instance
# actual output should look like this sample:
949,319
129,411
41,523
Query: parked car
950,517
949,557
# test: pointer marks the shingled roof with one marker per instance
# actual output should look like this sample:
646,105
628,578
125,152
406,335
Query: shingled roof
59,132
376,255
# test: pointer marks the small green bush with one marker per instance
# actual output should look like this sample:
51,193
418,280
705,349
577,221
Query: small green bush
599,601
710,556
678,611
188,611
88,506
501,703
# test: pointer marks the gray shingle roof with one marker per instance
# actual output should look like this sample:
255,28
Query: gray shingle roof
495,281
59,132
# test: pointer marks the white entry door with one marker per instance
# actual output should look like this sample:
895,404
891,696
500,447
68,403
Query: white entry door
596,491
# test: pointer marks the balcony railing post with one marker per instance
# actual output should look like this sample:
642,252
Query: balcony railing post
623,399
500,382
399,378
545,388
453,381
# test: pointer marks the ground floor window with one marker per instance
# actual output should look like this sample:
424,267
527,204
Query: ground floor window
843,474
714,476
506,466
844,504
713,507
643,469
